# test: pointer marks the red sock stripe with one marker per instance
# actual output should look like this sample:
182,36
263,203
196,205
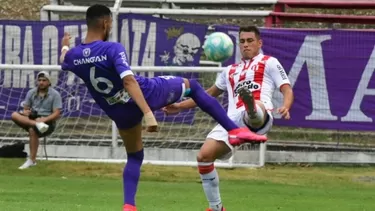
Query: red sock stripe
206,169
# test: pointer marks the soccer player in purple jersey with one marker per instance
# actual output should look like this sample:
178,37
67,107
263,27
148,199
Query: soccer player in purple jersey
127,98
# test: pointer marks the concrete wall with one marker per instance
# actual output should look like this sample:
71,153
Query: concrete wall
187,157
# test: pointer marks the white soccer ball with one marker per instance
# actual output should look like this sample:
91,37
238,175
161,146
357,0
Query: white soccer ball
218,47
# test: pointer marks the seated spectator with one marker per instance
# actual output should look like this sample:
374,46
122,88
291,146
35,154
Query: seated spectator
42,108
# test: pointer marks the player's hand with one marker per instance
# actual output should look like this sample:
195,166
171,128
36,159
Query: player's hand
284,111
151,123
172,109
65,41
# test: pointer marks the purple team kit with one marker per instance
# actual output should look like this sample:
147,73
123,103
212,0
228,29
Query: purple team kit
101,66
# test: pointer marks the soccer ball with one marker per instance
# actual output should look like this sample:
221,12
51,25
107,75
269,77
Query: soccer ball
218,47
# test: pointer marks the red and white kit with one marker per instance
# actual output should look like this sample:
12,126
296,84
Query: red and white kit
262,75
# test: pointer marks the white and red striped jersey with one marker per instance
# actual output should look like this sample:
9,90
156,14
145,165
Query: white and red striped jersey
262,75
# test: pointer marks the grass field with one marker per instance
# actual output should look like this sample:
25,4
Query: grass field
71,186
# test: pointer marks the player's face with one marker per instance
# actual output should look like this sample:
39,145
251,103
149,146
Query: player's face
107,28
43,83
249,45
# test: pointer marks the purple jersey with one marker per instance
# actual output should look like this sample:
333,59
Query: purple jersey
102,65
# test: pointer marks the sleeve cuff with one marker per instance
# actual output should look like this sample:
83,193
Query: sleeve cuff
126,73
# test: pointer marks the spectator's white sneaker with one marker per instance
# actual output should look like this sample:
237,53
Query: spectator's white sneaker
27,164
42,127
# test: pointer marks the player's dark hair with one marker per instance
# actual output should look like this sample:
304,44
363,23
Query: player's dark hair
253,29
96,12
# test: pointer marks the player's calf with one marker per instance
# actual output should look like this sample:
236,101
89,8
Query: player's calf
210,151
132,171
131,175
210,183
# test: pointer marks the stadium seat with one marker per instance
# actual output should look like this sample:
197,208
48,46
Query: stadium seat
310,17
175,3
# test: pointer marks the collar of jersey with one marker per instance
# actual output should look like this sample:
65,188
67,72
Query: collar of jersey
254,58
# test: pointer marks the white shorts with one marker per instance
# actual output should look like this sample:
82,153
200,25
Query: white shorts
220,134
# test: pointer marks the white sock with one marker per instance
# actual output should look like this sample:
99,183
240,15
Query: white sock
258,119
210,183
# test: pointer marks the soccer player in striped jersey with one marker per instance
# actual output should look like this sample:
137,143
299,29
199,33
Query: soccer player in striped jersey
127,98
250,86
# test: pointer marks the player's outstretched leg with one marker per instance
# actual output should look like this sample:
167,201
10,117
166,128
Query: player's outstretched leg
210,105
132,171
207,155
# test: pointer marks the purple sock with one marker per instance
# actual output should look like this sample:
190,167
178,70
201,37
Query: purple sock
210,105
131,174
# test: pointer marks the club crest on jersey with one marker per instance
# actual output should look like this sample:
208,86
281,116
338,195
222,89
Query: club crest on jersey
251,85
86,52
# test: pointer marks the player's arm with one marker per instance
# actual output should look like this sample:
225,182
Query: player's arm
63,53
282,82
288,95
65,42
131,85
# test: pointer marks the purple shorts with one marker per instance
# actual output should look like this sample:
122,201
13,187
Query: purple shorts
159,92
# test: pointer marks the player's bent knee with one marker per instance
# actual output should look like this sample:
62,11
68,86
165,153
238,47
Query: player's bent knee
204,158
194,84
206,154
212,150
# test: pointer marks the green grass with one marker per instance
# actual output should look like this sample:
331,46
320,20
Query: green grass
91,186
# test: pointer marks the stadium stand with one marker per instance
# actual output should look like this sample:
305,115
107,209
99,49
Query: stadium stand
280,14
326,4
276,19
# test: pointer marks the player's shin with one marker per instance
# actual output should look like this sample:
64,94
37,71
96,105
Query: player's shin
131,174
210,183
210,105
